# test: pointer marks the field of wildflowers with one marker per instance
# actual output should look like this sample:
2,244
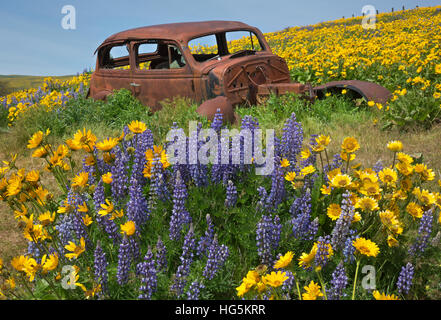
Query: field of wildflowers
123,222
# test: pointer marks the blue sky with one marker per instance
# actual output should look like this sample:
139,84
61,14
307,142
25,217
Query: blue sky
34,42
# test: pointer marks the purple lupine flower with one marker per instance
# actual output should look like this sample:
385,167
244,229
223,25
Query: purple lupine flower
217,121
231,199
302,226
65,230
161,256
336,163
278,192
405,278
205,240
321,257
180,216
217,255
149,281
288,284
267,237
292,139
109,226
124,262
349,249
194,290
339,282
135,251
100,267
378,166
140,142
262,205
341,229
34,250
119,174
424,231
137,206
186,258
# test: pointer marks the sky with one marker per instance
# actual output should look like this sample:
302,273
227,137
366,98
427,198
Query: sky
34,41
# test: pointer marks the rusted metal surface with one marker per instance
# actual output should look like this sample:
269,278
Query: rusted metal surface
369,90
245,77
209,107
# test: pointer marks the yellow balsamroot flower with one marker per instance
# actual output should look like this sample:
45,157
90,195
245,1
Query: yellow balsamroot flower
107,178
366,247
388,176
108,157
275,279
326,190
27,265
284,260
106,208
370,189
403,157
81,179
390,221
367,204
284,163
371,103
107,144
341,181
395,146
312,291
72,145
438,69
347,156
83,207
406,169
322,142
414,209
49,263
35,140
14,187
426,197
305,153
290,176
382,296
128,228
75,250
87,220
350,145
46,218
84,140
306,259
391,241
33,176
307,170
425,173
41,152
117,214
334,211
137,127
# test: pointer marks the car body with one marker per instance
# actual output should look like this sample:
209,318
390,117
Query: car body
164,61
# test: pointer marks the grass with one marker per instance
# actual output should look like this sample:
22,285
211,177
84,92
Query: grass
23,82
336,116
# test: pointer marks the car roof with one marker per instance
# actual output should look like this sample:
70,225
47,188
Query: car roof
177,31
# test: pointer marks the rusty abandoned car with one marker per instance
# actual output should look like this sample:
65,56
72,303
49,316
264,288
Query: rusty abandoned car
164,61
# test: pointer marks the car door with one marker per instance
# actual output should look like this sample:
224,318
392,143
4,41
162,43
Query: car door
114,69
160,73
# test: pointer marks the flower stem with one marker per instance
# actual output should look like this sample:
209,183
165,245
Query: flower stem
355,279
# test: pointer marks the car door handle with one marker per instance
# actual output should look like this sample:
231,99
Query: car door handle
133,84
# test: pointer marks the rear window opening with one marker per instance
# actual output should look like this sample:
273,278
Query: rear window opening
214,46
158,54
